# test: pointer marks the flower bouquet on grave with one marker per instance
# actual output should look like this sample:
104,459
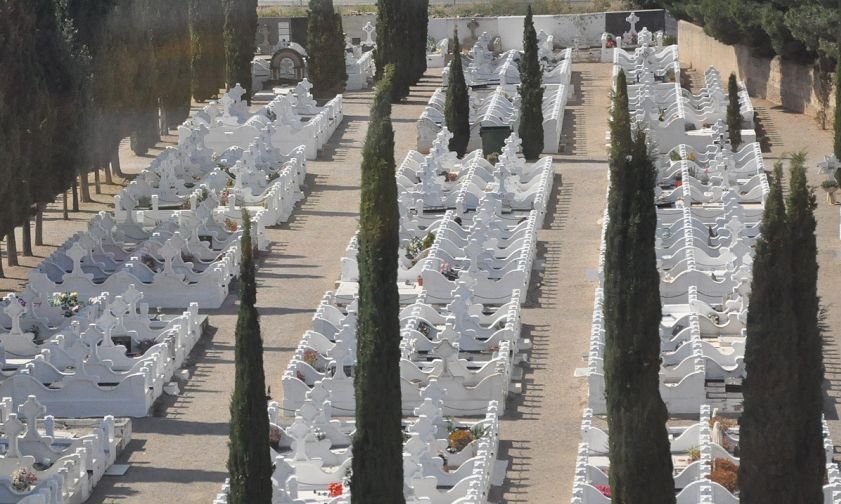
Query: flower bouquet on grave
311,358
448,272
223,198
68,302
231,226
604,489
23,479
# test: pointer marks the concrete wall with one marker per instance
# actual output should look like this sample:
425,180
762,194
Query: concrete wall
781,82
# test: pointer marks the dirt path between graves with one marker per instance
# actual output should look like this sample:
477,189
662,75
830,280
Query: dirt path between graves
540,430
179,454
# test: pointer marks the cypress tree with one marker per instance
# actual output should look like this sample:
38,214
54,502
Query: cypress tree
207,64
378,442
171,37
240,42
325,49
531,93
392,49
640,458
58,150
836,147
811,463
421,33
141,21
769,387
249,462
734,116
457,104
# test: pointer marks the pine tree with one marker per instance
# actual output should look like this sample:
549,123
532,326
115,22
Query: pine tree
531,93
378,442
769,387
734,115
640,459
392,27
325,47
240,42
249,463
836,147
457,105
811,464
207,21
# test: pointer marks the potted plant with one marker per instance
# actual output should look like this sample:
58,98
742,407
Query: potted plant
830,186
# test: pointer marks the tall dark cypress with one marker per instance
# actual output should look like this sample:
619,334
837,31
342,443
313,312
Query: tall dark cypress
326,50
769,387
249,462
207,21
392,49
734,116
531,93
58,150
457,104
811,463
140,21
378,442
421,33
240,42
836,146
171,37
640,458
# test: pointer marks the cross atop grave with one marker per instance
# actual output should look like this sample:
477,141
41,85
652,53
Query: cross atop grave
632,20
368,29
14,310
30,410
13,428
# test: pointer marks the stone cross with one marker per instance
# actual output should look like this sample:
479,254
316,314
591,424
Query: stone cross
368,29
31,410
13,428
14,310
632,20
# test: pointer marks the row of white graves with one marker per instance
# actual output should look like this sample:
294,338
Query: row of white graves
49,461
498,106
109,357
465,261
710,202
80,339
296,120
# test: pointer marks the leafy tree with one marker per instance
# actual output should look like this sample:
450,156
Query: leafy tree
810,465
531,93
326,50
770,385
207,21
240,36
457,104
734,116
249,463
640,460
421,25
378,442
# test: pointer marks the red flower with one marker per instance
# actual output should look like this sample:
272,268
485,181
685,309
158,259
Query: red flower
335,489
604,489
